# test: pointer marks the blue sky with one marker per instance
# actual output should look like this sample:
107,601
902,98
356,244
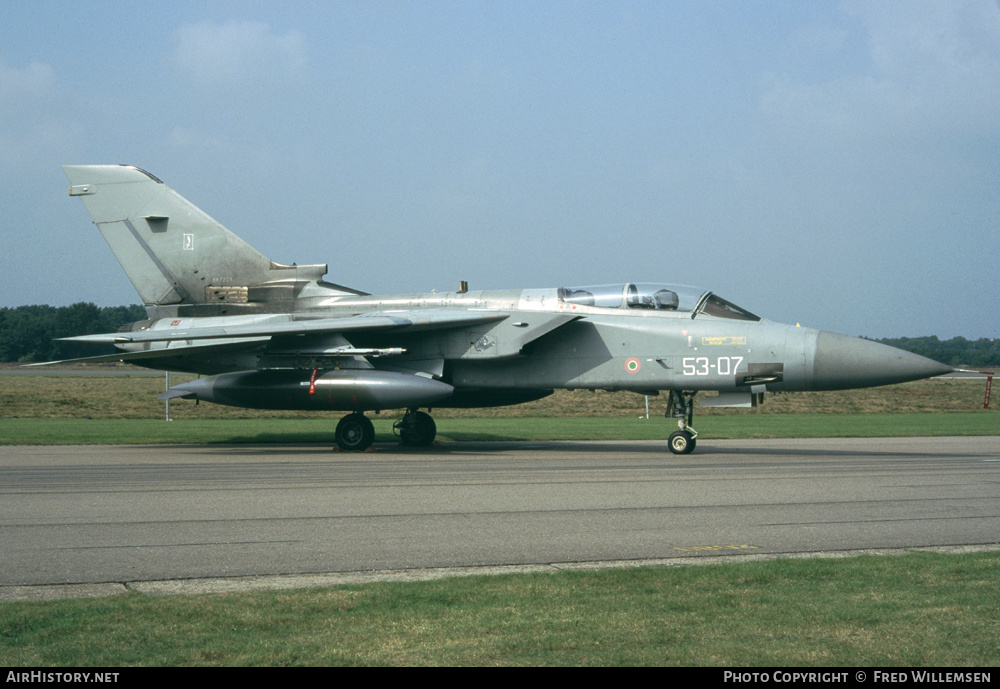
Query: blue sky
835,164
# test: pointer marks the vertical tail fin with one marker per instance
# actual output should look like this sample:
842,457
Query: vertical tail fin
174,253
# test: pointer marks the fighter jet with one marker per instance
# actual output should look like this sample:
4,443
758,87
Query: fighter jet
268,335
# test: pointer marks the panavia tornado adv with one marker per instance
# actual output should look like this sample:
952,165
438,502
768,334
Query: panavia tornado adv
272,336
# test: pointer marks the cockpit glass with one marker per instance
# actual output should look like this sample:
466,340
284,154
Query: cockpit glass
632,295
655,297
719,307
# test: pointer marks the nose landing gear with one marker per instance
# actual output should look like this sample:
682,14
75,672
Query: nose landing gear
680,405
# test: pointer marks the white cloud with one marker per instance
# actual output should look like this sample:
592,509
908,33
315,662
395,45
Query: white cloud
34,119
33,82
239,53
932,68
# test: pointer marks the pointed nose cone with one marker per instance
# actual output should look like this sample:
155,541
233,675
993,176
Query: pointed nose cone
843,362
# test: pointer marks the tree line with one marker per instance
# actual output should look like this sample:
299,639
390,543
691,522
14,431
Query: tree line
29,334
958,351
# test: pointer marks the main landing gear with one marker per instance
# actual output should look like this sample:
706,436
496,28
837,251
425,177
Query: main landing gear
680,405
416,429
355,432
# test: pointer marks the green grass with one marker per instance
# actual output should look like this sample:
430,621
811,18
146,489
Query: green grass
143,431
103,408
918,609
915,609
132,395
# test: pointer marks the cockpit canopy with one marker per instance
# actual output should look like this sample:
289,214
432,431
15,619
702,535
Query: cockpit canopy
656,297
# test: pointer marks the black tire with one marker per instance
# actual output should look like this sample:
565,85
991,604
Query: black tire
355,433
421,432
681,443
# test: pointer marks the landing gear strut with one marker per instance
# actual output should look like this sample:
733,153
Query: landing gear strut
416,429
680,405
355,433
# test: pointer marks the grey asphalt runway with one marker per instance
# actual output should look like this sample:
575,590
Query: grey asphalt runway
127,514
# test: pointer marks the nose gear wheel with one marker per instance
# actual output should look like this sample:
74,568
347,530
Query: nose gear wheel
680,405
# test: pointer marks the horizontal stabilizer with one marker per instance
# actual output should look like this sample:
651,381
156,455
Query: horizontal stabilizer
416,320
168,353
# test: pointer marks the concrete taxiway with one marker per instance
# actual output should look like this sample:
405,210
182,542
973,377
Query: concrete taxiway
113,515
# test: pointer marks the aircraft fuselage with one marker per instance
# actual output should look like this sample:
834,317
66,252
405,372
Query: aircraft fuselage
542,341
274,335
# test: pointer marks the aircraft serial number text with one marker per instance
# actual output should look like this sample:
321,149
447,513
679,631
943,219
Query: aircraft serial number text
703,366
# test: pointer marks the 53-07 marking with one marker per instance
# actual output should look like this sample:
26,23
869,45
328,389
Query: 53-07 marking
702,366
